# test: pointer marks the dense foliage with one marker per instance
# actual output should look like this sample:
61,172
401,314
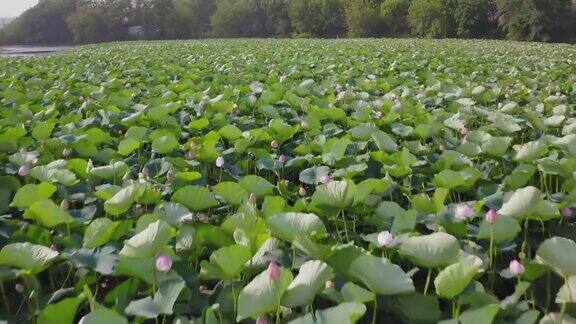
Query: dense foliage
295,180
93,21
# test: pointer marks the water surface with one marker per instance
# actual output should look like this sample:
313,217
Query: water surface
34,51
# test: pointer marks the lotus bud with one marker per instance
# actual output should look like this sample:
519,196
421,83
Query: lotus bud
304,124
252,198
463,211
262,319
19,288
273,271
282,158
326,178
566,212
516,268
24,170
274,144
220,162
491,216
302,191
386,239
191,155
163,263
65,204
66,152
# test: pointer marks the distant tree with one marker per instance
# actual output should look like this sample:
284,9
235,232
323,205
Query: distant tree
117,18
232,18
158,19
43,24
192,17
431,18
395,14
363,18
537,20
521,20
271,18
471,18
88,25
317,18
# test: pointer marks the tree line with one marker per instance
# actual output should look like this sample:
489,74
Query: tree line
92,21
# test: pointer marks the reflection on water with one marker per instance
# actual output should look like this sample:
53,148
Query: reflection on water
33,51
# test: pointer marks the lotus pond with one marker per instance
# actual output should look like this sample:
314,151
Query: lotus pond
289,181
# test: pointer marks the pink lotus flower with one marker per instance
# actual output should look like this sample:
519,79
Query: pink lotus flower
274,144
566,212
273,271
24,170
386,239
516,268
163,263
65,204
220,162
190,155
262,319
252,198
463,211
282,158
326,178
491,216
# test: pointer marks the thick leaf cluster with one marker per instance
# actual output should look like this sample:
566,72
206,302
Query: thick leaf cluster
363,169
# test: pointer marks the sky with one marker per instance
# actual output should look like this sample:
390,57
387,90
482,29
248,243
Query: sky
14,8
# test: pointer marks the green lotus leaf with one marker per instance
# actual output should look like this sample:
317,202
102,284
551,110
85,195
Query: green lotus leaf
286,226
262,295
225,263
27,256
431,251
311,278
195,198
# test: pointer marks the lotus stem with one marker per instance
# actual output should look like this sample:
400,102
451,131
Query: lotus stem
374,313
427,281
4,298
234,298
491,251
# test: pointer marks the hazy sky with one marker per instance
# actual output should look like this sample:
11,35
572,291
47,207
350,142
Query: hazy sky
13,8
